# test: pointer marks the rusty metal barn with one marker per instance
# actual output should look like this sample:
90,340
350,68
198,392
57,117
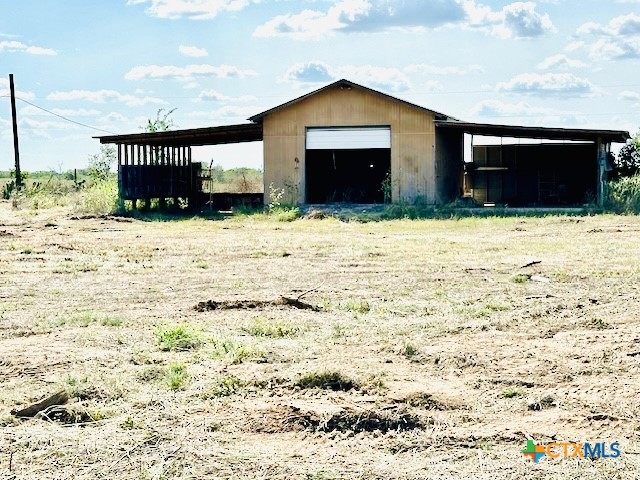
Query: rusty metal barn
346,143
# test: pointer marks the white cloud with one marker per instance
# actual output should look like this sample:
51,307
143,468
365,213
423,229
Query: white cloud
186,73
192,9
113,117
14,46
309,24
225,115
310,72
624,25
381,78
560,62
103,96
515,20
547,85
5,91
574,46
619,39
215,96
630,96
433,86
615,49
496,109
192,51
65,112
43,128
379,15
363,16
390,79
428,69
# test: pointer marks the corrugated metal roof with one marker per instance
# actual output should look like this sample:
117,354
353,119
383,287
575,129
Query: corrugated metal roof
345,84
617,136
245,132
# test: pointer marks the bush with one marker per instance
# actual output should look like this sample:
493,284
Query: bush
627,163
101,198
100,163
623,195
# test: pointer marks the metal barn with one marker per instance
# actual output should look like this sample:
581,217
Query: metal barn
346,143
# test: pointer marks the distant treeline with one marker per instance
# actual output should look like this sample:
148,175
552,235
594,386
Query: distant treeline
239,180
40,175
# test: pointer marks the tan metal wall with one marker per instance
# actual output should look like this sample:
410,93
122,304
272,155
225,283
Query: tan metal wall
412,141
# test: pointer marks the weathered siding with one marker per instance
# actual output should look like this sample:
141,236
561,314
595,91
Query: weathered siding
449,165
412,140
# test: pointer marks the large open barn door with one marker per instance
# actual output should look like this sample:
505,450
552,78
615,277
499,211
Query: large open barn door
347,164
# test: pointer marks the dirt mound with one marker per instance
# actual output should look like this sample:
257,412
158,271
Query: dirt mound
426,401
254,304
286,418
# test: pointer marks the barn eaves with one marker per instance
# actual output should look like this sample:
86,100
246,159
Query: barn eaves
516,131
245,132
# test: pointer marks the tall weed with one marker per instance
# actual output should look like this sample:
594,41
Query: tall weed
623,195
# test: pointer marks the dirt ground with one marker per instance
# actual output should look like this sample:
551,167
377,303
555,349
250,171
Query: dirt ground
432,350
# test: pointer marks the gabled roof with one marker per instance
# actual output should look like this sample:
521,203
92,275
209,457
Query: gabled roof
346,84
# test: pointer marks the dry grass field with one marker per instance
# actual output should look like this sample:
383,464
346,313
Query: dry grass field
432,351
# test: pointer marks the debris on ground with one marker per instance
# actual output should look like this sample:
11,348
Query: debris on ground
58,398
254,304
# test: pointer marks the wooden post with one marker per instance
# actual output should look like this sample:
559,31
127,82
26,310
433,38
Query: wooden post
120,186
139,170
190,199
14,119
601,159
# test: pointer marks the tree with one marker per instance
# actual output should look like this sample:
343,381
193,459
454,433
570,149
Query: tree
627,163
100,163
162,123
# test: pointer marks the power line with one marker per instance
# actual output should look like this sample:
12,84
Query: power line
62,116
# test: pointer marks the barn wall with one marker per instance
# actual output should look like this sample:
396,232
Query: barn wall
449,165
412,140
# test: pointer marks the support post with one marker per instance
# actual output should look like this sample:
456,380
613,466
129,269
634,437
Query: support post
602,171
14,119
120,186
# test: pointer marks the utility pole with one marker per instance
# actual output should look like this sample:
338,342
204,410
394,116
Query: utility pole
15,132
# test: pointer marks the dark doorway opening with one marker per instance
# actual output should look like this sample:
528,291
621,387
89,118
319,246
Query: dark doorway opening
350,176
546,175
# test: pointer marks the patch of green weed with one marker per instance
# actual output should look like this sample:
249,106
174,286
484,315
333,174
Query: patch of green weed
223,386
265,327
177,338
177,376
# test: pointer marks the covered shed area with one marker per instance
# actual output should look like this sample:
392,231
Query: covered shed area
532,166
159,165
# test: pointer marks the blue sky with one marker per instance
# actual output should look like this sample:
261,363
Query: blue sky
113,64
